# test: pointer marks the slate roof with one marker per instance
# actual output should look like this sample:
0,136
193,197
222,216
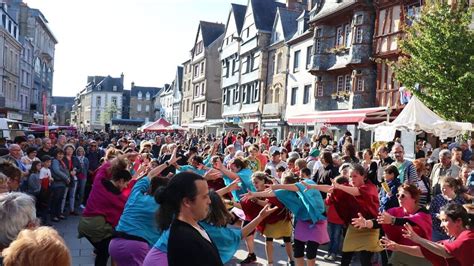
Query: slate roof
331,6
179,76
210,31
105,83
239,15
264,13
288,22
152,90
62,100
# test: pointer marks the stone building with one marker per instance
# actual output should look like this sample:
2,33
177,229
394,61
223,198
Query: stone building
61,110
254,39
230,61
186,105
141,103
345,75
166,103
98,103
177,86
206,73
9,66
284,28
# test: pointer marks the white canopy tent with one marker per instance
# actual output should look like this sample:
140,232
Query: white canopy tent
417,117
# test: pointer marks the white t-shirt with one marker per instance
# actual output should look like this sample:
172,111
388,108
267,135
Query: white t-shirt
44,173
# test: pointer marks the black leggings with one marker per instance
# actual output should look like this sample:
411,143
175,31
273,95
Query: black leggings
311,249
286,239
101,251
365,258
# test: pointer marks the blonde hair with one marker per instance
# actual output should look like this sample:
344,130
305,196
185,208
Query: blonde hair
41,246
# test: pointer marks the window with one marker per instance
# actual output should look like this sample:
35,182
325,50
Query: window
360,84
196,110
225,96
98,101
202,68
359,35
306,94
236,95
256,94
343,35
198,48
348,83
296,61
318,41
278,63
203,89
97,115
196,90
114,101
276,94
184,86
139,107
203,109
235,68
309,53
147,108
340,83
347,35
189,105
359,19
226,68
114,88
245,94
293,95
139,95
248,63
319,86
196,70
147,96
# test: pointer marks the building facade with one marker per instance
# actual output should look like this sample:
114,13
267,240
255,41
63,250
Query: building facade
284,28
177,96
166,103
345,75
230,61
61,110
98,103
206,73
186,105
141,103
9,66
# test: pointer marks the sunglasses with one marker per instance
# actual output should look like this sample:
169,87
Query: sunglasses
401,196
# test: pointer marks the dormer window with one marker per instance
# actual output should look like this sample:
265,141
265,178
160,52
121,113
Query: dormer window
99,88
114,88
147,96
139,95
301,26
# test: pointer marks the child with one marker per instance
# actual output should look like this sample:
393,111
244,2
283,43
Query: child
335,224
45,180
305,173
34,182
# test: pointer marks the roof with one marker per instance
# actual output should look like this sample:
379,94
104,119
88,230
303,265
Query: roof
239,15
210,31
288,22
62,100
104,83
264,13
179,77
121,121
329,7
135,89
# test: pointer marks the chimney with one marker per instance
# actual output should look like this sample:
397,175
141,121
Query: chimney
121,78
297,5
133,84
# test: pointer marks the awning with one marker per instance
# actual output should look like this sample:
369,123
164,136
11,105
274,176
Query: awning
353,116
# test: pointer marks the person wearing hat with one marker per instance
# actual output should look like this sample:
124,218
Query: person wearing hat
312,160
275,163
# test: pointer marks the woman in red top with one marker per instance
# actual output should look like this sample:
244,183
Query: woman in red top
455,251
366,201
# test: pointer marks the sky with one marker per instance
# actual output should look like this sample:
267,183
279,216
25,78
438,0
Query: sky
144,39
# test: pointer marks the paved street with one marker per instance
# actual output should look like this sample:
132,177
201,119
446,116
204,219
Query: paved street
81,249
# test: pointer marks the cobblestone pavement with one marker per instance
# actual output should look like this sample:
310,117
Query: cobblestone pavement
81,249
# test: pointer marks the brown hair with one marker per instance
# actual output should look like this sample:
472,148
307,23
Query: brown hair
42,246
412,190
301,163
218,213
327,157
419,165
239,163
289,177
262,176
454,183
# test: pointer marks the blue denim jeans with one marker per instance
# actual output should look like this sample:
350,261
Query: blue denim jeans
335,236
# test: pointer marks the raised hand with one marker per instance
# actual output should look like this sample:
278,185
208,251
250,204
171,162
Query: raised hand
247,196
384,218
388,244
267,210
409,233
234,185
359,222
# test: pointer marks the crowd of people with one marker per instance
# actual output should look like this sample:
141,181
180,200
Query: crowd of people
187,199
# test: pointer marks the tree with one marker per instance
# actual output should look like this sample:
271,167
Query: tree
439,57
108,114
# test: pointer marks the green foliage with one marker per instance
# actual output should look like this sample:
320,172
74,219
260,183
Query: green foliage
440,57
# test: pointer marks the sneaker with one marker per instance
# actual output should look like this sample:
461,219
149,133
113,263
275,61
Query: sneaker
291,263
251,258
326,256
82,206
331,257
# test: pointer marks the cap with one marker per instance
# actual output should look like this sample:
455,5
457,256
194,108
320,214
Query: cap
31,136
314,153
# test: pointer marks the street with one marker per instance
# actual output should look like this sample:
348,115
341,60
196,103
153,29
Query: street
82,251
